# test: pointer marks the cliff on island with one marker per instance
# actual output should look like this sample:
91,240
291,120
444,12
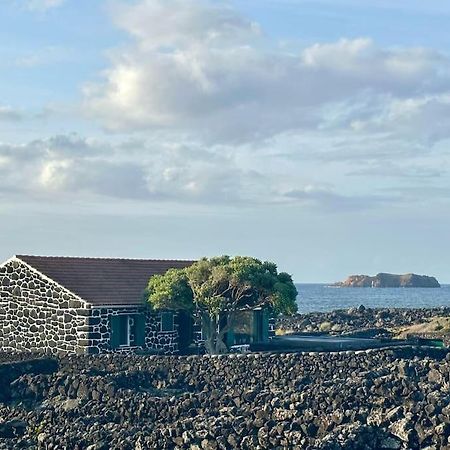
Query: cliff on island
388,280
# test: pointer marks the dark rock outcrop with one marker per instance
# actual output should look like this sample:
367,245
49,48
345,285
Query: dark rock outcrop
360,322
388,280
14,369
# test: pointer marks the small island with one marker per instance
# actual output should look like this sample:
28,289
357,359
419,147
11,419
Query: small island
389,280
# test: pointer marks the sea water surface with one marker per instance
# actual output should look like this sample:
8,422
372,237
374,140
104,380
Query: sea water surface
322,297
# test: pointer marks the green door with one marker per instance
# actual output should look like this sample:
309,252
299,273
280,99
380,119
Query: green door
265,325
260,325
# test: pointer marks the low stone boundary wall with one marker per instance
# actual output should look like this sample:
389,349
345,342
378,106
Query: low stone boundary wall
375,399
10,371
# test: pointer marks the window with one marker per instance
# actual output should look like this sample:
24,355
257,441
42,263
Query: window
167,322
127,330
124,331
120,331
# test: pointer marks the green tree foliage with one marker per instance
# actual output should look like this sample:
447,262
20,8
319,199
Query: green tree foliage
170,291
216,288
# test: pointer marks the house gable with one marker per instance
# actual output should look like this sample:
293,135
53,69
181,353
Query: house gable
44,277
36,313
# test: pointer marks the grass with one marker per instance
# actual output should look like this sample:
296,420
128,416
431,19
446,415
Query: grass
432,325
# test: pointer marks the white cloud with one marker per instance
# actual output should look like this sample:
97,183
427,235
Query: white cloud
424,118
326,199
363,62
198,67
169,24
65,168
215,113
65,165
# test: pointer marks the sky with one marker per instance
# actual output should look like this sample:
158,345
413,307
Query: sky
314,134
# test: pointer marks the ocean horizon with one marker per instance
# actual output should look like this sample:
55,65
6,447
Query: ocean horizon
322,297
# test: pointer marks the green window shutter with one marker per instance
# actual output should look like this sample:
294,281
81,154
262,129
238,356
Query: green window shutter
139,321
167,324
115,331
265,325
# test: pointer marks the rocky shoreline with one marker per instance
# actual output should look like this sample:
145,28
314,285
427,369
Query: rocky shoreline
379,321
377,399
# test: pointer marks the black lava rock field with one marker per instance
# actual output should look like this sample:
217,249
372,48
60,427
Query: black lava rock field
377,399
358,319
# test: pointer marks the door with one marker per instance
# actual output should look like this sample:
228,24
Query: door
185,334
261,325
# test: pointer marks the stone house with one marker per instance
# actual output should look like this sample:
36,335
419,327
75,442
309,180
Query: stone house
83,305
95,305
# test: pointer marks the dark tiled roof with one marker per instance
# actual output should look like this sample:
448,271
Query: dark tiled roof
103,281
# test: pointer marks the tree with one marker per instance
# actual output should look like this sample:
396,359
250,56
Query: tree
217,288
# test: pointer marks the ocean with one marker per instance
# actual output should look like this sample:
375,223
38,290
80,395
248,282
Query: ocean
322,297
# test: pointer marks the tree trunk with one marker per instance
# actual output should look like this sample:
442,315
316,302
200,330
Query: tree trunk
221,346
209,327
214,337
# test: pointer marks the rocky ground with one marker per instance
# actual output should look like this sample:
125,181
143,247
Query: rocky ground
378,322
379,399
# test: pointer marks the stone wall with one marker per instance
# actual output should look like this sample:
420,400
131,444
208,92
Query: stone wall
377,399
99,334
12,370
37,314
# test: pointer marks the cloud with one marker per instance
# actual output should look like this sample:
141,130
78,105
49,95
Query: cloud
72,168
327,200
398,171
44,5
10,114
67,165
64,166
199,67
423,118
201,107
185,23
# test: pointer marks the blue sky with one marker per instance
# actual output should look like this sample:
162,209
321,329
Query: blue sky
311,133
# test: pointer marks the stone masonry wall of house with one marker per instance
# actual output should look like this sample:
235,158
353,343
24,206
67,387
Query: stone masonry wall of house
37,314
98,337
